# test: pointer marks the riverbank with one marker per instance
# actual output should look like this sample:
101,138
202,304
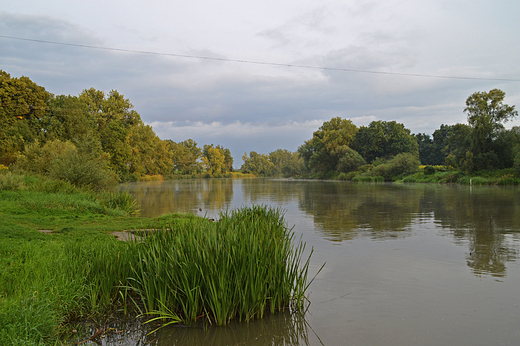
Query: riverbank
59,262
437,175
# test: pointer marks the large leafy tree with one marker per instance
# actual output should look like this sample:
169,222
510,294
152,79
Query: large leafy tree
186,156
486,112
22,104
216,160
317,152
384,139
280,158
258,164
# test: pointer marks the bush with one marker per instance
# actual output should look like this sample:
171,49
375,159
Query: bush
349,160
84,165
429,170
399,165
10,181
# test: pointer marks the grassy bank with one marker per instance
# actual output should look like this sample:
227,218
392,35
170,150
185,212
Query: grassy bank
441,174
190,269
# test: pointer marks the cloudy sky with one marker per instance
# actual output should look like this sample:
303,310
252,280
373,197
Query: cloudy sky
263,75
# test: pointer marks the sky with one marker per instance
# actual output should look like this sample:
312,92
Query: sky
264,75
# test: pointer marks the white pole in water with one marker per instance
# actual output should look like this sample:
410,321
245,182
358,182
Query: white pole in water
470,182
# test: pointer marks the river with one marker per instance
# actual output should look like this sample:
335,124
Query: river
406,264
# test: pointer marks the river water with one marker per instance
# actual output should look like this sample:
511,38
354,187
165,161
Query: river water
406,264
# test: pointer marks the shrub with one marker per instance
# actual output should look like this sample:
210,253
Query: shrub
401,164
349,160
84,165
10,181
429,170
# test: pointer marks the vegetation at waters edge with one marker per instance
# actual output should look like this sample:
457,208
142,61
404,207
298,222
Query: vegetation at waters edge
187,269
96,139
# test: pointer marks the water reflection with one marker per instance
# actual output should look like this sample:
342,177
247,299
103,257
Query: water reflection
485,219
342,211
282,329
185,196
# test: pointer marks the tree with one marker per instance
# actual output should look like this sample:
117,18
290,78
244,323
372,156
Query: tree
280,158
22,104
186,156
458,142
294,167
425,145
317,152
486,114
258,164
214,160
349,160
68,119
384,139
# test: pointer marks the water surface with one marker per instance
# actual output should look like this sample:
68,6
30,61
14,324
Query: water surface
405,264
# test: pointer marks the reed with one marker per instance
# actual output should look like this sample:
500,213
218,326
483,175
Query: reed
192,269
240,267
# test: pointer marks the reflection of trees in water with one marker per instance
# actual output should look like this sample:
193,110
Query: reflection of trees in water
485,217
181,196
343,210
281,329
282,191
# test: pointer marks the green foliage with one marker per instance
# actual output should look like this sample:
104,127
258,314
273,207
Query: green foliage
10,181
216,160
237,267
429,170
84,165
258,164
396,167
383,139
22,104
349,160
486,112
186,156
317,152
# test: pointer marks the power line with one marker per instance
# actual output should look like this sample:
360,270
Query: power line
339,69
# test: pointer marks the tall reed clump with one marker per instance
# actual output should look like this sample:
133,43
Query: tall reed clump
240,267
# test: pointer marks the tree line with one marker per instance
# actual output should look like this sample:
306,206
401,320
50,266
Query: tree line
94,138
388,150
98,138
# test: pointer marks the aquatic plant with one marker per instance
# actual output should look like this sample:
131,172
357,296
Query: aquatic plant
240,267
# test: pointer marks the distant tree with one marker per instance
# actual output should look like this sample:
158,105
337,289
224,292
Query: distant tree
486,114
258,164
458,144
317,152
214,160
384,139
294,167
349,160
440,142
280,158
425,145
186,156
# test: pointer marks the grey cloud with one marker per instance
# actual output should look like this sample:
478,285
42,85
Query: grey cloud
183,91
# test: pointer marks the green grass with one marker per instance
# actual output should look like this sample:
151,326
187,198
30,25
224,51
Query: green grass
240,267
494,177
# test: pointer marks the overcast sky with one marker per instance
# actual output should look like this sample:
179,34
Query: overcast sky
246,106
